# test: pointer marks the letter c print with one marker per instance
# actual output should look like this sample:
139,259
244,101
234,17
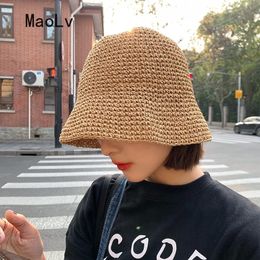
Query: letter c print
119,238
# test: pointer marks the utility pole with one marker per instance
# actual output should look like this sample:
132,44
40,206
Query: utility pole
238,100
58,66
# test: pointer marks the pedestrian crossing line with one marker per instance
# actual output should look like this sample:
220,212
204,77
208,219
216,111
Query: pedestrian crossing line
54,255
56,222
66,174
206,160
70,199
213,166
101,160
71,184
230,140
83,166
38,201
235,139
241,181
250,194
76,156
227,173
222,141
101,173
44,185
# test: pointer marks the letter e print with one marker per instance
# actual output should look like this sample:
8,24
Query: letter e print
196,256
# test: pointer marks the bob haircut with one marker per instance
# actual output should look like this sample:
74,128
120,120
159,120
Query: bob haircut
184,157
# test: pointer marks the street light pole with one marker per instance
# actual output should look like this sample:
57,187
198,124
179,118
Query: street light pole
238,100
58,65
239,89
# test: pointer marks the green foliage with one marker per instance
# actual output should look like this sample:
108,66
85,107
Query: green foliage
232,44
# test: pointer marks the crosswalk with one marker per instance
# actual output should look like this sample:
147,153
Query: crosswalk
56,184
228,137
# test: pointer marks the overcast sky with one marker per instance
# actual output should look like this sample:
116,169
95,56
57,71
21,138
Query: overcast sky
183,18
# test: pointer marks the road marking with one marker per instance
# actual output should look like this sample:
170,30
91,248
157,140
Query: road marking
227,173
58,222
222,141
54,255
241,181
250,194
230,140
76,156
66,174
44,200
101,160
213,166
43,185
83,166
206,161
98,161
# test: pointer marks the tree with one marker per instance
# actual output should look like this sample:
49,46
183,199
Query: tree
232,40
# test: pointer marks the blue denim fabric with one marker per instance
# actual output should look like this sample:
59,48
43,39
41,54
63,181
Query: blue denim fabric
110,218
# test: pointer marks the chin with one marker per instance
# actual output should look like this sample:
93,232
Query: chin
134,178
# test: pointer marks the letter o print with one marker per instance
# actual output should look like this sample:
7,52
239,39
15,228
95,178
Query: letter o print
144,241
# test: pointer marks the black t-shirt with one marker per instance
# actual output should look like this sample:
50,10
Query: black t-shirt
200,220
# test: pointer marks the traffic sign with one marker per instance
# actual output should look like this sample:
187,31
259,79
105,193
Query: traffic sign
238,94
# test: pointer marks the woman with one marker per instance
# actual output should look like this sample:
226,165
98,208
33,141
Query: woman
136,103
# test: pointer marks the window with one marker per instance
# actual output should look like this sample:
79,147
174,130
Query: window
49,30
49,98
6,94
6,22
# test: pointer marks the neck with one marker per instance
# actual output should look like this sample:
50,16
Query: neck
176,177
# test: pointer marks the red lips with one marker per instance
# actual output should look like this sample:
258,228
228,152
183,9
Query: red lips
122,166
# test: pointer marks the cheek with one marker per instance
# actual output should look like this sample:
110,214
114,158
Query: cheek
150,163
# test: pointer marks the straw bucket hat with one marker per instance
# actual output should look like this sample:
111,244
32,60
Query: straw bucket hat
135,86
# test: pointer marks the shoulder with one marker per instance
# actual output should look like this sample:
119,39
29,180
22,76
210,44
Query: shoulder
104,182
233,206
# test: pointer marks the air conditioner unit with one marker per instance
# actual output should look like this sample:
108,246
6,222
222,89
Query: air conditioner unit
33,78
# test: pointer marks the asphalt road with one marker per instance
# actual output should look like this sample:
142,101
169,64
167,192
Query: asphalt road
48,189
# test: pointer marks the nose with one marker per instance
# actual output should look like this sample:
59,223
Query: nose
107,147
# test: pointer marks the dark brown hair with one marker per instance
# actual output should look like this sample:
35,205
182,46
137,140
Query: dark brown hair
184,157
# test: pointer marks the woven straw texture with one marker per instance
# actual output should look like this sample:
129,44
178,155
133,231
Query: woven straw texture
135,86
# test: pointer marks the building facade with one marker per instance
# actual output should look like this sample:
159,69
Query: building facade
27,44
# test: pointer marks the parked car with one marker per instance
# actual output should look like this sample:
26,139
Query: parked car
250,125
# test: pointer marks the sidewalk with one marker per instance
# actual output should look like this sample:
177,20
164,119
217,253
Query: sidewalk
40,147
217,125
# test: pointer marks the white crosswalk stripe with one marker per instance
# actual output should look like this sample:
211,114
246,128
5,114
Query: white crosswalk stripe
228,137
77,156
251,194
51,222
92,166
65,174
77,161
227,173
54,255
39,185
40,200
241,181
217,166
80,166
